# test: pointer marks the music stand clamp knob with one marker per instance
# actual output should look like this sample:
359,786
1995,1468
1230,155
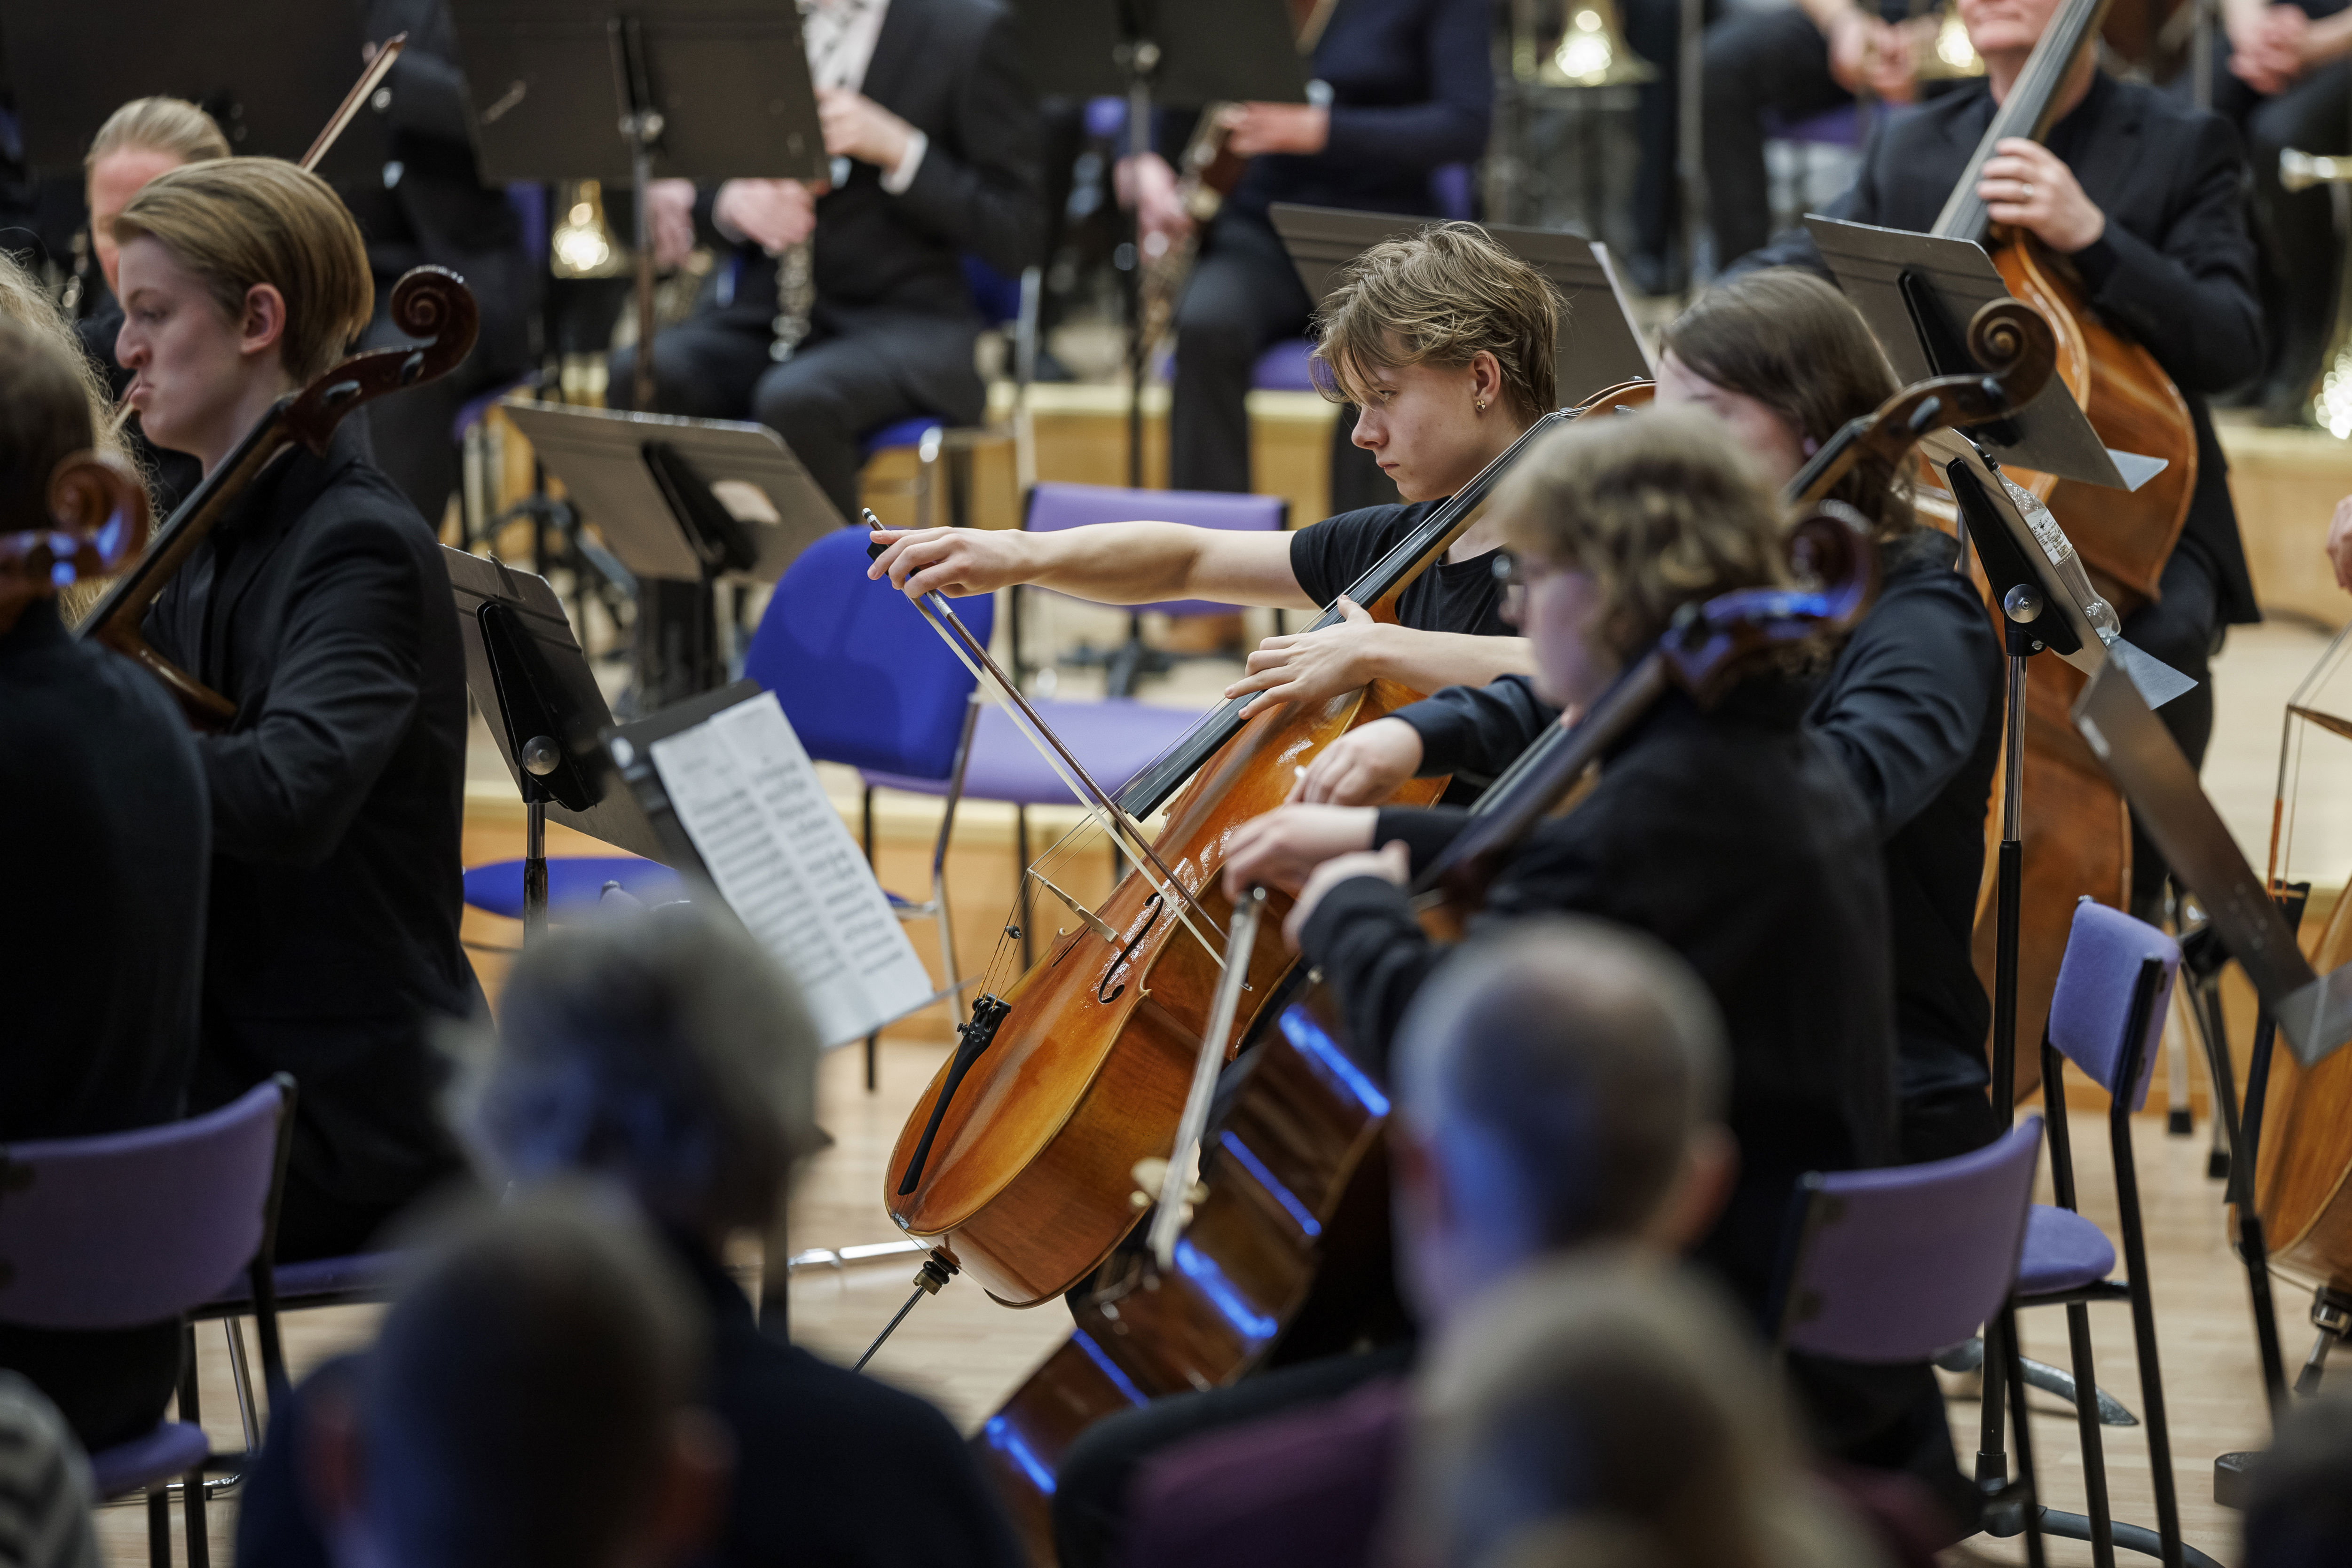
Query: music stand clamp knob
541,756
2023,604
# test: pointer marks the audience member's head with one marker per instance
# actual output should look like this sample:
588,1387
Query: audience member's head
662,1052
2299,1497
144,138
1558,1082
1610,1410
530,1404
45,1477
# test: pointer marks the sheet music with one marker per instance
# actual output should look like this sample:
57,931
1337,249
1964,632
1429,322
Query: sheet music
748,796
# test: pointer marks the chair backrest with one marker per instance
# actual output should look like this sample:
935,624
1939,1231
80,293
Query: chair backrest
2090,1010
1896,1264
135,1228
1058,506
858,671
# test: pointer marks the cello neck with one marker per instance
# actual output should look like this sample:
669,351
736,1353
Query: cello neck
2026,112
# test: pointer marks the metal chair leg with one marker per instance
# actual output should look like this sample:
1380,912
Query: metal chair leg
192,1484
242,1376
158,1527
2086,1425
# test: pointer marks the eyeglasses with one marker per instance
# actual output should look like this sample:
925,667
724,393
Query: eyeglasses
1513,570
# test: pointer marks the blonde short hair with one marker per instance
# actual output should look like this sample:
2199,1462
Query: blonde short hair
1438,298
238,222
1659,506
171,125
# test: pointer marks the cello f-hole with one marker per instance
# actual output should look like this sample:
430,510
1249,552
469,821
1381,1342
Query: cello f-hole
1151,909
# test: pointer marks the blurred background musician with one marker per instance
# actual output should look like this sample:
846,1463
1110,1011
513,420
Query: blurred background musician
2145,196
665,1059
428,204
103,917
137,142
320,606
934,146
1407,87
2281,76
1794,61
1911,706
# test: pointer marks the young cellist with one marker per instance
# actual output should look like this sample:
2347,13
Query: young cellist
1911,707
319,607
1443,344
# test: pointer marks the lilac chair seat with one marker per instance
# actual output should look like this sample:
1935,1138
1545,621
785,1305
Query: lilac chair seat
1287,366
1116,740
2064,1251
173,1449
1838,127
908,432
1060,506
358,1277
573,883
470,412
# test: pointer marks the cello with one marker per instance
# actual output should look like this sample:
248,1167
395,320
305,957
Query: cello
99,519
1284,1255
1016,1161
2077,830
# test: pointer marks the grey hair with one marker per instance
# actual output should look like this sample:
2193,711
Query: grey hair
1608,1410
665,1051
1579,1054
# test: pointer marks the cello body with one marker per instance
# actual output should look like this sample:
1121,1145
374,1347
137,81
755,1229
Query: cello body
2305,1158
2076,830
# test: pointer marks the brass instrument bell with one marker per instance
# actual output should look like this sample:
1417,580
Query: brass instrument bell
582,244
1593,51
2301,171
1951,55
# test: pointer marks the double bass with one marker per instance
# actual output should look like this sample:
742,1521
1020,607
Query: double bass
1283,1254
2077,830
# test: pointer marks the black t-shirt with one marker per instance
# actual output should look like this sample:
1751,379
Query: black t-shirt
1450,596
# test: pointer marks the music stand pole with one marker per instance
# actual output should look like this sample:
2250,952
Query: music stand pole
1141,58
641,127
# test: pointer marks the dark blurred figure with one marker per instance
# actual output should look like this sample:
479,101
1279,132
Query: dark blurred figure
1406,88
530,1404
428,204
2280,75
102,895
933,139
46,1478
139,140
664,1057
1606,1409
2299,1497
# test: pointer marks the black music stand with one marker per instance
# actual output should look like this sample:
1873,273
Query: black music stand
1182,52
271,72
681,501
1599,347
705,90
534,685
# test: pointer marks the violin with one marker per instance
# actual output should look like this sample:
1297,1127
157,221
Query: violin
99,519
431,303
2077,830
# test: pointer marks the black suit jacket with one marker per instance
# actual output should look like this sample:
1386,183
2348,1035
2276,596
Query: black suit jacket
1734,837
2174,270
948,67
322,610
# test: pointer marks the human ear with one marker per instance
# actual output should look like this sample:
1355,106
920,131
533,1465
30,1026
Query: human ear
263,326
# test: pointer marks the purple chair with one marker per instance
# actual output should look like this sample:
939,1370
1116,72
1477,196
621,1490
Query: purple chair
137,1227
1899,1263
1053,507
865,681
1287,366
1010,306
2107,1016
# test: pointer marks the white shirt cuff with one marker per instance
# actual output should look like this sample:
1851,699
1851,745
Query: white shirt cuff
895,181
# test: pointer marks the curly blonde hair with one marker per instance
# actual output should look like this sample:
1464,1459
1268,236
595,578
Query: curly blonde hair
1439,297
1660,507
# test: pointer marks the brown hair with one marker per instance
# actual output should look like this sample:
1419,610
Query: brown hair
238,222
1658,506
171,125
1438,298
1791,341
45,418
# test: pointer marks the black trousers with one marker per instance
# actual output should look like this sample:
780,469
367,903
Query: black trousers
2184,629
1243,297
1774,61
1655,29
1090,1488
110,1384
2301,258
854,374
413,433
